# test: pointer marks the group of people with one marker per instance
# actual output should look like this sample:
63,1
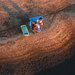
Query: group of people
37,24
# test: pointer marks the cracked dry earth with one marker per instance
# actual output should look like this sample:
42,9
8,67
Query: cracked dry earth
21,55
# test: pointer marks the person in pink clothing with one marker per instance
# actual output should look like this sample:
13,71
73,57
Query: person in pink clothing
40,22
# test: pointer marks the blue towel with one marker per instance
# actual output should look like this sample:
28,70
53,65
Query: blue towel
32,19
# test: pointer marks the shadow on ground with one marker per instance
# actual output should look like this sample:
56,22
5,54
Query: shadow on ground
65,68
16,19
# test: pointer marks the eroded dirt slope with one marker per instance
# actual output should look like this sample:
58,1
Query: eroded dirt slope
41,50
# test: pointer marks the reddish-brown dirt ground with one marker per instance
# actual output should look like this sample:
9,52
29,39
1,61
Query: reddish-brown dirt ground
29,55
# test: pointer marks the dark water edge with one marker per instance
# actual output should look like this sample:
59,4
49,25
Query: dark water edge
65,68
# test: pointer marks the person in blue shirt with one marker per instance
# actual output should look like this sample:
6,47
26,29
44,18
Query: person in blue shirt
34,26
